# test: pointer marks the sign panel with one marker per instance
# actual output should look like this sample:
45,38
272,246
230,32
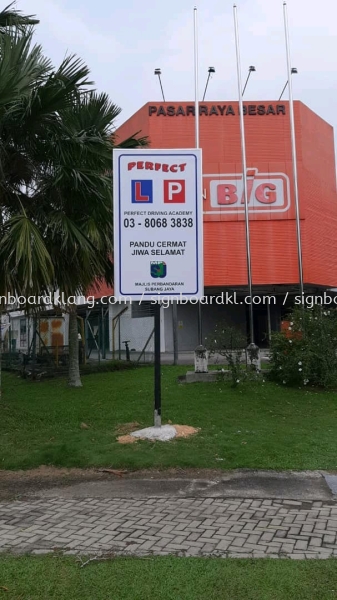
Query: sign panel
158,238
267,192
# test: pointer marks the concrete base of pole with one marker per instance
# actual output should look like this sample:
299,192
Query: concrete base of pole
157,419
163,434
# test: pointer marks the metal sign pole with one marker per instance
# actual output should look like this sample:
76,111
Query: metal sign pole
157,367
175,332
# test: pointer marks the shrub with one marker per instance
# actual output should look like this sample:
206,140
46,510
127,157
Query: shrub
306,353
229,343
61,371
108,366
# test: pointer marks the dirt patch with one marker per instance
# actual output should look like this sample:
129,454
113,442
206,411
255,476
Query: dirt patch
127,439
42,472
183,431
124,429
17,484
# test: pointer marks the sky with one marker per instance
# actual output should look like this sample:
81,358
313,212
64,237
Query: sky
123,42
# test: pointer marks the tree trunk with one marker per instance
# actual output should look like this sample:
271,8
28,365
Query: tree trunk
74,366
34,347
0,357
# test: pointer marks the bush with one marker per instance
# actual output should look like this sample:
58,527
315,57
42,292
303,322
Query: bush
88,369
306,353
108,366
229,343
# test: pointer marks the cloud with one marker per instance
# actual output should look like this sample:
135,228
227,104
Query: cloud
124,43
72,31
262,43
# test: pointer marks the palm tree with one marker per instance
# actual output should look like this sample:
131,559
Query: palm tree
56,140
79,187
20,67
31,96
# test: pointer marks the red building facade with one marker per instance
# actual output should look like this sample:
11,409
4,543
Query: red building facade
274,256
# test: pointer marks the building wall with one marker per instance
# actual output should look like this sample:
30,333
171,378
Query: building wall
188,323
53,331
133,327
268,145
318,198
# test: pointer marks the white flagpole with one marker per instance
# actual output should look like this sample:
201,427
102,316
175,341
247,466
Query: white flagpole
197,141
196,78
244,175
293,150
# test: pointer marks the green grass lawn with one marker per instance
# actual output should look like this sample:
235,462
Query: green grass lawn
48,578
253,426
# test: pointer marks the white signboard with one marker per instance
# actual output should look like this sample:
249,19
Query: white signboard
158,239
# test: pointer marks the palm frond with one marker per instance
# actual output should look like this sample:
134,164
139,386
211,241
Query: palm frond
10,17
21,67
26,264
93,114
133,142
57,92
73,72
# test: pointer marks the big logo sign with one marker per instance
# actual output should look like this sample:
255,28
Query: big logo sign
266,192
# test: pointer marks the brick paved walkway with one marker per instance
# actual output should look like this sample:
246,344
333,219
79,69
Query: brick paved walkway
184,526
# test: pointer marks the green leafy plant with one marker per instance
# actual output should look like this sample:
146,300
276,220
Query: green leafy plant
228,341
306,352
108,366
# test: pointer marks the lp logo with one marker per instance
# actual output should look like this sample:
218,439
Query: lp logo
174,191
141,191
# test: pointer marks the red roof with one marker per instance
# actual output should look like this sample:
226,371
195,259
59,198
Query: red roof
100,289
